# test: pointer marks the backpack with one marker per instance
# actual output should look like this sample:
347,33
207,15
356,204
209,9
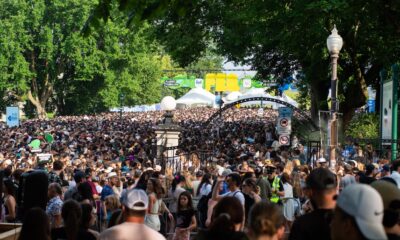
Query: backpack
202,208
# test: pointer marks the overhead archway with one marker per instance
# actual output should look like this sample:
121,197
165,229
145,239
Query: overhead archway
300,114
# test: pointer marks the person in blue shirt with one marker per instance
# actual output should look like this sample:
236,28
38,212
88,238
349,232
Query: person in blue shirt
107,189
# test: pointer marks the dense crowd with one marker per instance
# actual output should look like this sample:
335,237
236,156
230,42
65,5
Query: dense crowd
104,181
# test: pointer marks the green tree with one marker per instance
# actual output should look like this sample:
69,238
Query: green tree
279,37
363,126
46,59
42,45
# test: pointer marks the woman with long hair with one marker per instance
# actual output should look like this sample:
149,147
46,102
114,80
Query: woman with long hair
36,226
176,189
155,194
266,222
288,201
205,186
9,201
88,220
250,192
226,222
185,217
71,214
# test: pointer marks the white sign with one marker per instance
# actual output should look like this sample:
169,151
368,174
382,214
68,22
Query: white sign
43,157
387,108
284,125
12,116
247,83
260,112
284,140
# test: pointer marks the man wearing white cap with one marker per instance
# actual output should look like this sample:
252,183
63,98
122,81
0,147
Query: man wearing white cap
321,162
134,206
358,214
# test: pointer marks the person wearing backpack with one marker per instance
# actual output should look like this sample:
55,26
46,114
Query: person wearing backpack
233,181
203,192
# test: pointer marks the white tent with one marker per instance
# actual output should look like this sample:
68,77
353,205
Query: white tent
233,96
196,96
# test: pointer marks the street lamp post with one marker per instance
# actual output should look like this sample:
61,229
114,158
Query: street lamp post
334,44
167,133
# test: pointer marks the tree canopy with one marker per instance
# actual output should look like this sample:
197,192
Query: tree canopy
46,59
279,37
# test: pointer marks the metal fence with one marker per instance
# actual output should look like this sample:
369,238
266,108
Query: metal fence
174,160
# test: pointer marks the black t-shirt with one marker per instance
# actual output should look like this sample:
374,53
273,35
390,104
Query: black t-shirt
393,236
367,180
61,234
184,218
248,202
314,225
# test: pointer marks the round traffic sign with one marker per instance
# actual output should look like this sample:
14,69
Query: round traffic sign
284,122
284,140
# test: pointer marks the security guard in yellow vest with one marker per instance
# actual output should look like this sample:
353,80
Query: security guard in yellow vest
275,182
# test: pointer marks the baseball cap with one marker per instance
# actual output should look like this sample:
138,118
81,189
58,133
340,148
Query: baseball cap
321,179
388,191
364,203
226,172
321,160
385,168
135,199
111,174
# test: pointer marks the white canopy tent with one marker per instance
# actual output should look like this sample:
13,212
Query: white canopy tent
232,96
196,97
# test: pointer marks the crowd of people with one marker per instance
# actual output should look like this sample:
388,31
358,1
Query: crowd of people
105,181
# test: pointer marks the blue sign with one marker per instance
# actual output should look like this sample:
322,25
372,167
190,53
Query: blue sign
371,106
12,116
285,112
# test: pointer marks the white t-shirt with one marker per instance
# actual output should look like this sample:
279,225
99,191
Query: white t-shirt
195,185
99,188
131,231
205,189
396,176
173,206
237,194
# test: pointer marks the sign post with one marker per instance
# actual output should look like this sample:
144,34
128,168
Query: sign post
395,72
284,125
389,109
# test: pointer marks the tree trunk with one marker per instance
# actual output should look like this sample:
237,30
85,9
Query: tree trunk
318,100
39,105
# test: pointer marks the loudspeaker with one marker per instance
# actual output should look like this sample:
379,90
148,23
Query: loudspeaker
32,191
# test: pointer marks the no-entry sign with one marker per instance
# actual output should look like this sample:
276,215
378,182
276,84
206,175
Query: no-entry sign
284,140
284,122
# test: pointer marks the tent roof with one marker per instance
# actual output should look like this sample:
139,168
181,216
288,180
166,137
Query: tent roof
197,96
